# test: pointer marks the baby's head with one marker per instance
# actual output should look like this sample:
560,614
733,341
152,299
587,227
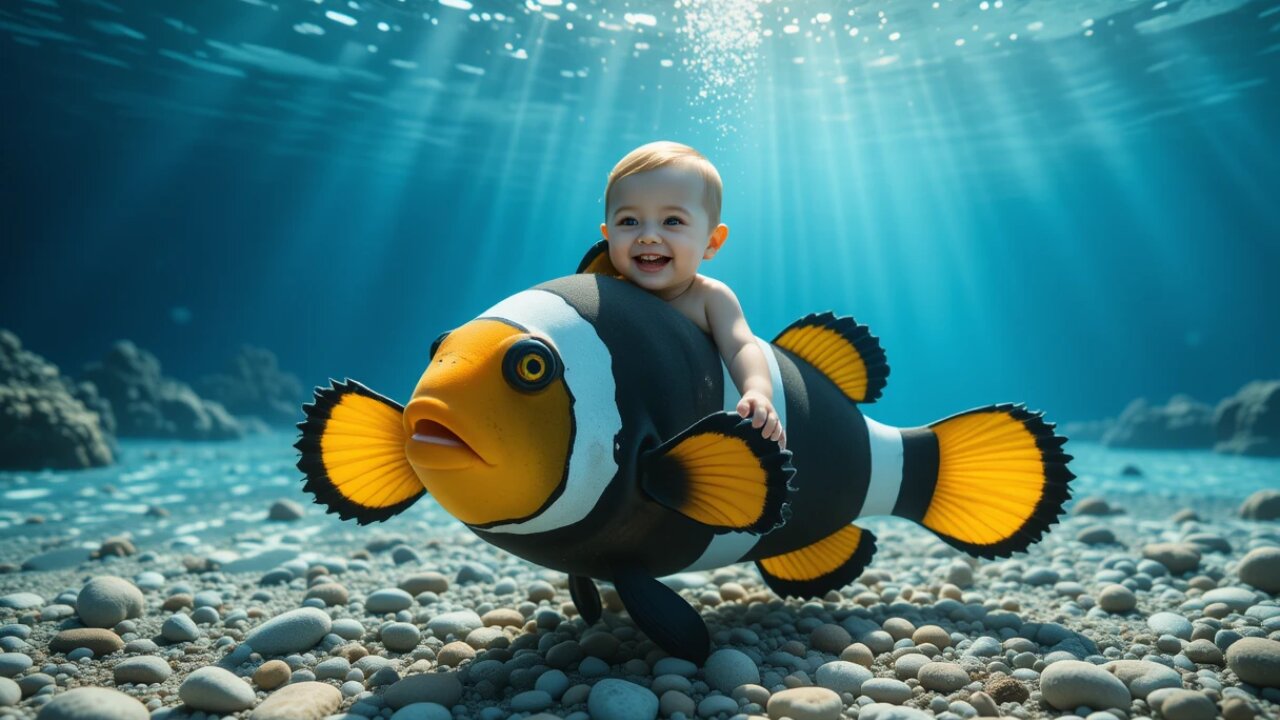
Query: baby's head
662,204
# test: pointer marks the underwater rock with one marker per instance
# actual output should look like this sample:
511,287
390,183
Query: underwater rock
1182,424
42,423
1262,505
1248,423
255,386
147,404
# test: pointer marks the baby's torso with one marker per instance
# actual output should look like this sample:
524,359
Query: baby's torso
693,303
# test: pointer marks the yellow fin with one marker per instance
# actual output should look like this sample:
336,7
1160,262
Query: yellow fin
1001,480
838,347
597,260
722,473
829,564
353,455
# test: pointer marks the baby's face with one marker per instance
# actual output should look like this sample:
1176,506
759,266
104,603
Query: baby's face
658,229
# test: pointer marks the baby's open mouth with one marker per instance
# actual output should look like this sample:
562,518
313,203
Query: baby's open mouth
652,263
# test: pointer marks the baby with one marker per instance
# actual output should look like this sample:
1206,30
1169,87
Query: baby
662,219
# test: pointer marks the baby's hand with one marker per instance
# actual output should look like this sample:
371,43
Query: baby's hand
758,407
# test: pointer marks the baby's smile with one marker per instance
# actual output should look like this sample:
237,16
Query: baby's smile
651,262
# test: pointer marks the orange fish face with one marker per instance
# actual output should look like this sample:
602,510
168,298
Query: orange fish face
490,425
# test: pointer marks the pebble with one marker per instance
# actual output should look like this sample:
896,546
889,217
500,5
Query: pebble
271,674
347,628
881,711
984,646
11,664
507,617
675,701
1167,623
1117,599
21,601
830,638
1142,677
421,711
93,703
440,688
840,676
401,636
1096,536
727,668
285,510
1203,651
10,693
290,632
106,600
213,689
942,676
101,642
531,701
1256,661
1177,557
330,593
1262,505
933,635
612,699
908,667
179,628
388,600
457,623
984,704
1187,705
1238,599
299,701
419,583
474,572
805,703
1261,569
887,690
455,653
146,669
1069,684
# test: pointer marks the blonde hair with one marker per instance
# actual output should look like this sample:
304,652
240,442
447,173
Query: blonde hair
665,154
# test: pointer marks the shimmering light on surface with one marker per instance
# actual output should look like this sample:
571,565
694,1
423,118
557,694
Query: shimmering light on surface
340,18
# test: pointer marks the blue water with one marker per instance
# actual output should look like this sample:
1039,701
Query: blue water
1065,203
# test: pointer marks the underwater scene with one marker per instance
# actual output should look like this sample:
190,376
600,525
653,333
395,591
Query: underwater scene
637,359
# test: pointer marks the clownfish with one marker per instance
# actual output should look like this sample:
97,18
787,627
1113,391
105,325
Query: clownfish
586,426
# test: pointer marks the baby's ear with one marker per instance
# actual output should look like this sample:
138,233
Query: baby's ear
604,230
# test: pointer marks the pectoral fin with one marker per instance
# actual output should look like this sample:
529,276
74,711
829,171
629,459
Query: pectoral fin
586,597
352,449
828,564
722,473
662,614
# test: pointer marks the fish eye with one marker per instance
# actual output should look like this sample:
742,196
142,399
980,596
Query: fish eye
530,366
435,345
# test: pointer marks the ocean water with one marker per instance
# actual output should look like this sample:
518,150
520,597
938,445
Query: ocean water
1069,204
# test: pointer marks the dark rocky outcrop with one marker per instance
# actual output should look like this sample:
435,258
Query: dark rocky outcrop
1182,424
43,423
1248,423
147,404
255,386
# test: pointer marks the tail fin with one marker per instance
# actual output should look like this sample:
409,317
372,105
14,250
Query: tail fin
1001,479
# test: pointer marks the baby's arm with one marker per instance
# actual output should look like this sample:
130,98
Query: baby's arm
744,358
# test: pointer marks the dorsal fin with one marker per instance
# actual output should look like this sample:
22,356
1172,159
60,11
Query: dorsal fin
597,261
838,347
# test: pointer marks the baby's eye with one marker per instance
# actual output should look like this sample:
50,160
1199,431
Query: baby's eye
627,221
674,219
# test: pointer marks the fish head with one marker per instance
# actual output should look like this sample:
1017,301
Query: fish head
490,424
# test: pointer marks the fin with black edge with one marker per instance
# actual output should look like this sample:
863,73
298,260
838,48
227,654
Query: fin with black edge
989,481
829,564
597,260
586,597
352,449
721,472
662,614
838,347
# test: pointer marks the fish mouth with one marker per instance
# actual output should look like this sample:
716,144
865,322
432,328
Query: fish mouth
434,433
434,443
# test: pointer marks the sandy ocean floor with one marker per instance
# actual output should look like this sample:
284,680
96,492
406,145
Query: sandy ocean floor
1137,612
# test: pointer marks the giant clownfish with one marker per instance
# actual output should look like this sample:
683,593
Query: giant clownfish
586,426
